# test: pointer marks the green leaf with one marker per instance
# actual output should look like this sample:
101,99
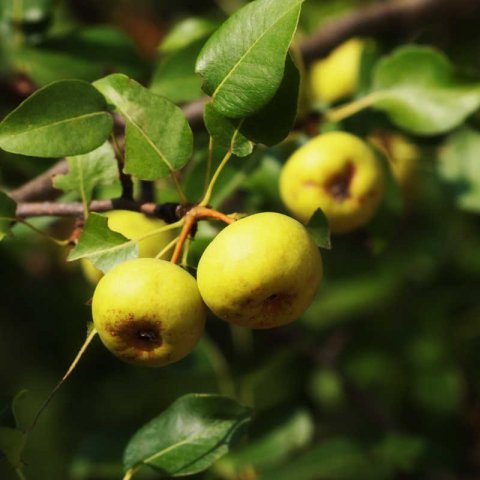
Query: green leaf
175,76
273,122
319,229
269,126
87,171
8,209
226,132
242,63
419,90
101,246
12,443
158,139
459,167
189,436
187,32
288,434
63,118
44,66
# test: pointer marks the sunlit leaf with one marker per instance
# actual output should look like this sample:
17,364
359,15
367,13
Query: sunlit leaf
459,167
103,247
87,171
158,138
242,63
226,132
64,118
189,436
420,91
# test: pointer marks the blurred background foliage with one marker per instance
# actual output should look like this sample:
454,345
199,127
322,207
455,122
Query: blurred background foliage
378,380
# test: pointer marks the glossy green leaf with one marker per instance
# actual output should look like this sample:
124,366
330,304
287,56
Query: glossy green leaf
87,171
101,246
319,229
419,90
226,132
273,122
189,436
459,167
158,139
175,76
8,209
288,434
64,118
242,63
187,32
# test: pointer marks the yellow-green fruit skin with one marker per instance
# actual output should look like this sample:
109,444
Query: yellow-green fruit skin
260,272
148,312
338,173
336,76
130,225
402,155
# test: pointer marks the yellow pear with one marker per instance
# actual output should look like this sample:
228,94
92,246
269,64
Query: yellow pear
338,173
260,272
336,76
148,312
403,155
132,224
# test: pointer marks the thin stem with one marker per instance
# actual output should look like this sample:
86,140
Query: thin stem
80,353
186,250
82,191
166,248
62,243
20,474
208,194
209,165
125,180
137,239
202,213
181,194
345,111
131,472
190,221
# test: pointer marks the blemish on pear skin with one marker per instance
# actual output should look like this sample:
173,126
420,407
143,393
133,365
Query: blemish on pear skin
143,334
338,185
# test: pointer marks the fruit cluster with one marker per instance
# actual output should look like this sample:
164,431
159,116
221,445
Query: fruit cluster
259,272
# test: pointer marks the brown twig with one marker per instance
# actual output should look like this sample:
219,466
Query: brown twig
75,209
388,18
192,216
40,187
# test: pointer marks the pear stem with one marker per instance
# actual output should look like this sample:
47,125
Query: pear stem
208,194
79,355
166,248
190,219
345,111
209,164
